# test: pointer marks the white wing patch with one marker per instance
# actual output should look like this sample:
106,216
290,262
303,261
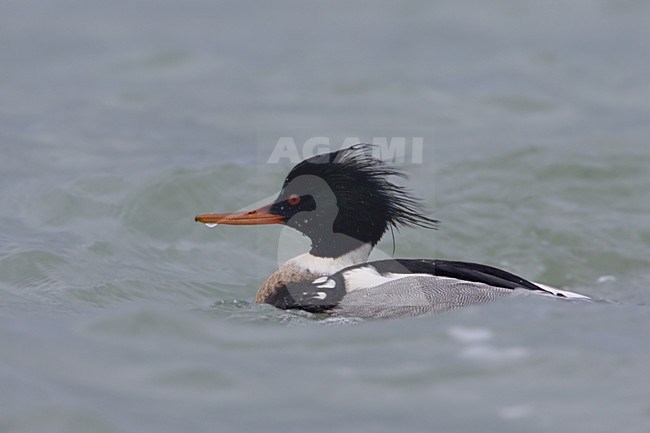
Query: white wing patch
320,280
367,276
552,291
327,284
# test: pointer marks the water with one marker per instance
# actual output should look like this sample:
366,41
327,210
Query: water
121,121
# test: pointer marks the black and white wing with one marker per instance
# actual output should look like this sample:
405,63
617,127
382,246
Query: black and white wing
408,287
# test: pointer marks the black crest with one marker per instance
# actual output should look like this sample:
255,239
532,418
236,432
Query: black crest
348,192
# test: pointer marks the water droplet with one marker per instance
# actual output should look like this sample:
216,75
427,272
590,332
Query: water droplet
211,224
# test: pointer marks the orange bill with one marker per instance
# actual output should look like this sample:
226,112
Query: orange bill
251,217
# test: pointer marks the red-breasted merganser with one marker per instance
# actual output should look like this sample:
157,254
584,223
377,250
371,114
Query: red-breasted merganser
344,202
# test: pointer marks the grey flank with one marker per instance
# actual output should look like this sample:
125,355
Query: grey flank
414,295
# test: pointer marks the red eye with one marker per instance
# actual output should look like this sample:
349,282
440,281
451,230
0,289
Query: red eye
293,199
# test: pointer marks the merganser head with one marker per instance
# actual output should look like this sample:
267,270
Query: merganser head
340,200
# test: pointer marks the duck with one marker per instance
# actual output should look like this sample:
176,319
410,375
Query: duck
345,201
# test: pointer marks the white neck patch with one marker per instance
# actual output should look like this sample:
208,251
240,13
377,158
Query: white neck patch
331,265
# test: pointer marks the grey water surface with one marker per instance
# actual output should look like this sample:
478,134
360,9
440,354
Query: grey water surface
120,121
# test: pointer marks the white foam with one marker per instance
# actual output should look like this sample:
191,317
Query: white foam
465,334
